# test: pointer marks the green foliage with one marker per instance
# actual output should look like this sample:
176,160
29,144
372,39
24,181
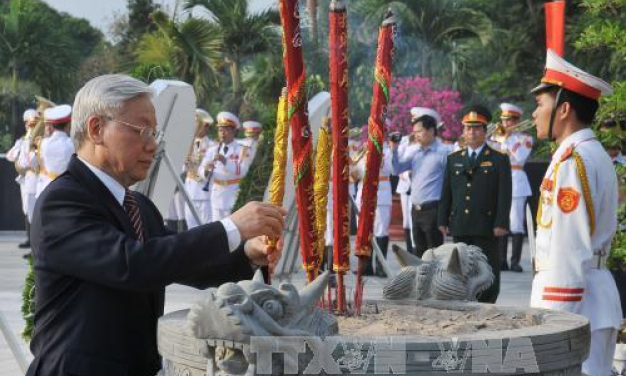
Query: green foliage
28,302
613,106
6,142
617,258
601,37
243,33
150,72
190,50
253,185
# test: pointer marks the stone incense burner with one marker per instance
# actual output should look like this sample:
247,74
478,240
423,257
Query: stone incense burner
251,328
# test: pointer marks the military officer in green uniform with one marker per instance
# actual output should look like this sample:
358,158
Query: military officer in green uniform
476,194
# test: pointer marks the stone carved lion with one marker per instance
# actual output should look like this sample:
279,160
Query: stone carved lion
234,312
449,272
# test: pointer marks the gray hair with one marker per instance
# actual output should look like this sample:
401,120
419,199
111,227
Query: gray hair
103,95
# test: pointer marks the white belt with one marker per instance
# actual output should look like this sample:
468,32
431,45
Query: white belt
597,262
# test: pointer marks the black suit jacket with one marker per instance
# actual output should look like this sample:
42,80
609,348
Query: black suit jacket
99,291
476,197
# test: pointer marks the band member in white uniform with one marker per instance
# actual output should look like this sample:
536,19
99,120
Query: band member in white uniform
21,147
517,145
252,131
382,215
223,166
577,215
194,182
57,148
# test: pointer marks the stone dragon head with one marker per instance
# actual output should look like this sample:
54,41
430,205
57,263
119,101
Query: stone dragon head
449,272
228,316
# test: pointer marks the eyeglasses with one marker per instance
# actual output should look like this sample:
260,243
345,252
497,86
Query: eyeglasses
146,133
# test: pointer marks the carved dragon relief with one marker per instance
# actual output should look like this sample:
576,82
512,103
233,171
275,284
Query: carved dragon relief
449,272
228,316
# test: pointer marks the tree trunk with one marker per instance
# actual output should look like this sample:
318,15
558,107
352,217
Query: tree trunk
425,64
14,127
235,74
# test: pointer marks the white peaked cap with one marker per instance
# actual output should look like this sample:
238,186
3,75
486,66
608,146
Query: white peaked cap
227,119
58,114
560,73
31,114
418,112
204,116
510,110
251,126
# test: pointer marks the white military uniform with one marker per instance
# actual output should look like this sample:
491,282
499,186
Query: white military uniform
382,216
27,161
251,127
194,182
12,156
354,147
404,182
576,222
56,151
224,185
517,146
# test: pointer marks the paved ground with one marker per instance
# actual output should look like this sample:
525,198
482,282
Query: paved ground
515,290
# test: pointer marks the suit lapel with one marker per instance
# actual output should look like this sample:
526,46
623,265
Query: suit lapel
83,174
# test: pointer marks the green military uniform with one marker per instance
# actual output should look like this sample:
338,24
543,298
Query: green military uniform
476,198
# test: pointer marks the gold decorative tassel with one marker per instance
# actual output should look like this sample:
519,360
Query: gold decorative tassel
322,176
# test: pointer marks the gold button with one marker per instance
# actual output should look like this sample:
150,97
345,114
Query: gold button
466,211
467,198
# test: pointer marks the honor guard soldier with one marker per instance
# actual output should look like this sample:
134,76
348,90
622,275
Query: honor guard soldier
577,215
252,131
476,194
57,148
517,145
224,166
28,162
382,215
19,155
194,181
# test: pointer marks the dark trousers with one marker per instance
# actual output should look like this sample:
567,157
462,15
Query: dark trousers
489,245
426,234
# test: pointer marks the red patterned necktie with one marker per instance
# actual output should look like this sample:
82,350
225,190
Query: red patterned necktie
132,209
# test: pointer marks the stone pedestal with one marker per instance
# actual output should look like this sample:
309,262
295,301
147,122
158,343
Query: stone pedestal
552,344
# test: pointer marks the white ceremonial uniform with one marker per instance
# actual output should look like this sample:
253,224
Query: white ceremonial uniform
382,216
252,146
194,182
404,182
12,156
354,146
517,146
55,153
576,222
27,161
226,177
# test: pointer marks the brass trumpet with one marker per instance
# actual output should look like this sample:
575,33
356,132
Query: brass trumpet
498,131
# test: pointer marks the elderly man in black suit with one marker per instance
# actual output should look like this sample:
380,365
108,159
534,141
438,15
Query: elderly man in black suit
102,254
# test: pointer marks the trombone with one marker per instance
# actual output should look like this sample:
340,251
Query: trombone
498,131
